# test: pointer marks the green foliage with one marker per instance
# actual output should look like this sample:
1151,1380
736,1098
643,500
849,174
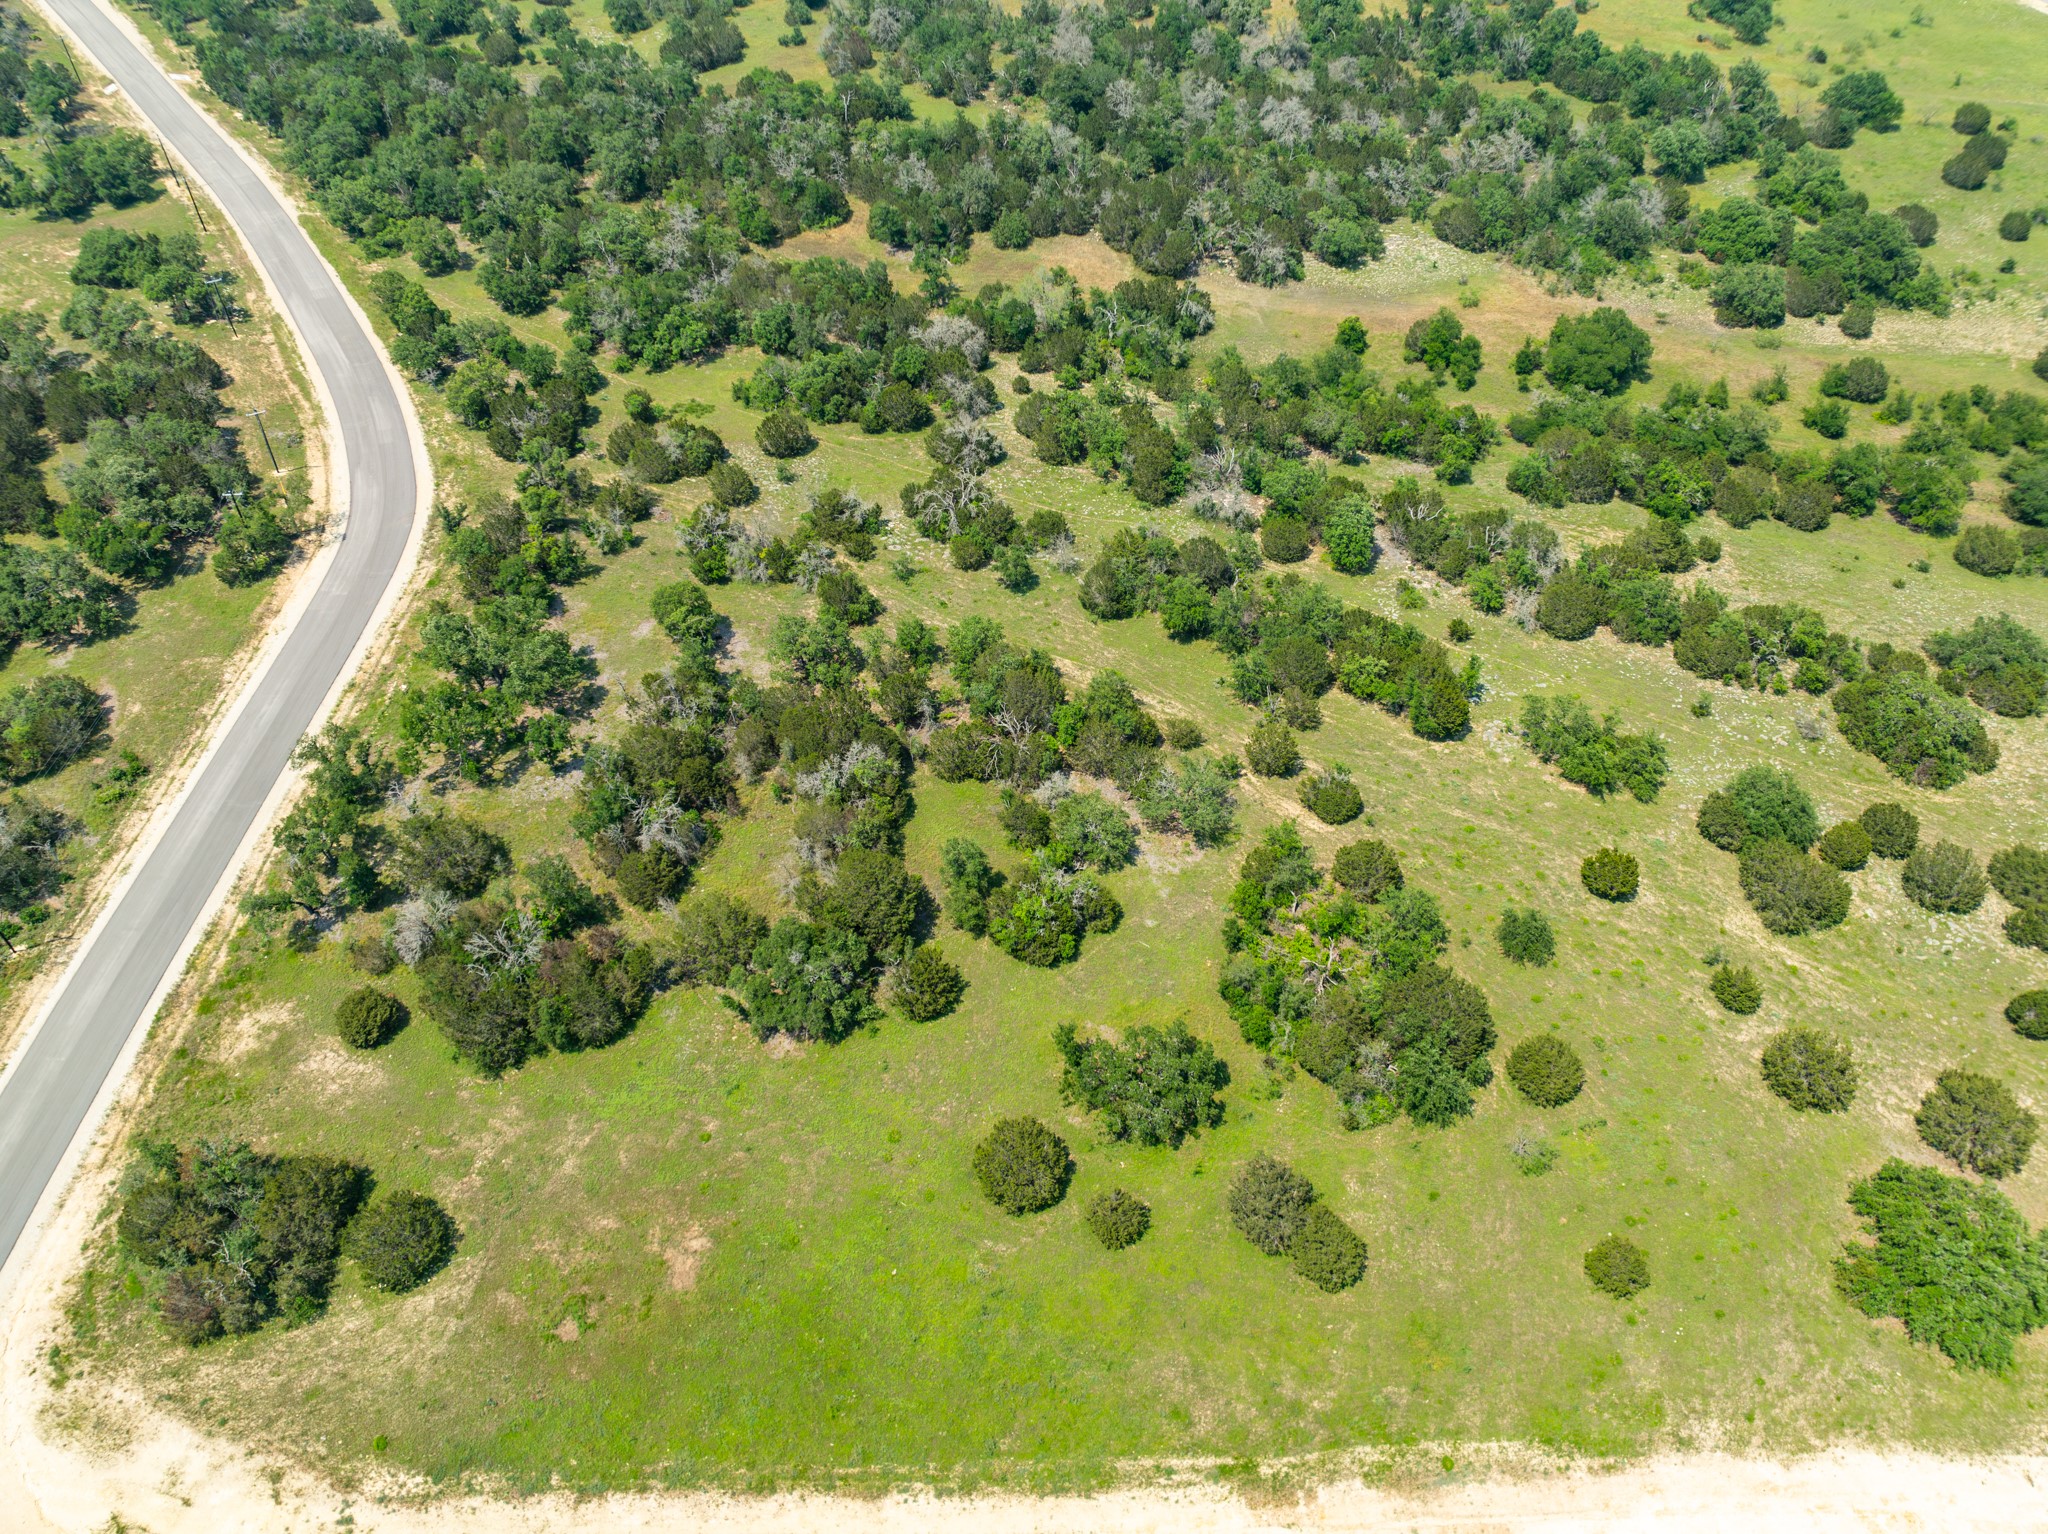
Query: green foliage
969,879
783,434
2002,664
1894,830
1953,1260
1976,1122
1157,1088
1944,878
1326,1251
1602,352
47,724
1271,751
2028,1014
1118,1219
929,985
1917,730
1737,988
1546,1070
1269,1202
1812,1071
1845,846
1759,804
447,852
1595,754
401,1241
1572,607
871,895
1042,917
1617,1267
1022,1166
367,1017
1283,539
809,982
1332,797
1370,869
714,935
1525,937
1440,344
1610,874
1792,892
1087,828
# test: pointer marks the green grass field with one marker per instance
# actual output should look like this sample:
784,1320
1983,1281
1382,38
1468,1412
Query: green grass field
690,1259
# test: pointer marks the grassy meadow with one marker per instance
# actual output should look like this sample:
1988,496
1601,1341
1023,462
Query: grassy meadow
692,1259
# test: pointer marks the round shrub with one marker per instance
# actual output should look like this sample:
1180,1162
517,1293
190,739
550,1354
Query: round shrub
1271,751
1268,1203
2020,874
929,985
1791,892
1971,119
1119,1219
1986,550
1571,607
1022,1166
2028,927
1737,988
1618,1267
366,1018
1332,797
1546,1070
1945,878
1859,319
783,434
1370,870
1284,539
1525,937
731,485
1846,846
1893,829
2015,226
647,877
970,551
1977,1123
1765,804
1812,1071
401,1241
2028,1014
1326,1251
1920,222
1610,874
1720,822
1966,172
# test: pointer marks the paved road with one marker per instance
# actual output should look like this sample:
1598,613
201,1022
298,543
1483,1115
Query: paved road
46,1096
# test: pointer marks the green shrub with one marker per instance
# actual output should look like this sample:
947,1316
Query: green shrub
1986,550
1369,869
1022,1166
1920,732
1610,874
1971,119
1326,1251
929,985
731,486
783,434
2015,226
2028,1014
1602,352
1332,797
1845,846
1894,830
1953,1260
1284,539
1921,224
1271,751
969,880
1828,418
366,1018
648,876
969,551
1945,878
1157,1088
1087,828
1525,937
1976,1122
401,1241
1737,988
2020,875
1862,379
1546,1070
1118,1219
1792,892
1618,1267
1859,319
1571,607
1759,804
1812,1071
714,935
1268,1203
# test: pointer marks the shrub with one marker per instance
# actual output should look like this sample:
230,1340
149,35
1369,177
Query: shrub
1759,804
1737,988
1602,352
2015,226
447,852
1571,607
1610,874
47,724
1953,1260
1022,1166
1284,539
1332,797
1525,937
1118,1219
714,935
1812,1071
1859,319
929,985
1617,1267
969,880
648,876
1977,1123
1546,1070
1966,172
872,894
2028,1014
1971,119
1087,828
401,1241
1986,550
731,486
1846,846
1894,830
1920,222
1791,892
783,434
1326,1251
1369,869
1829,418
1159,1087
1271,751
1862,379
367,1017
1268,1203
807,982
1945,878
2020,875
1917,730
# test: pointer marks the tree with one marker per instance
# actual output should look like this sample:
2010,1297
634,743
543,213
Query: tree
1736,987
1618,1267
1602,352
48,724
1118,1219
1866,98
1283,539
810,982
1370,869
1428,1086
1332,797
783,434
367,1017
1087,828
1157,1088
1977,1123
1610,874
929,985
2028,1014
1894,830
969,879
1945,878
1326,1251
444,851
1749,296
1759,804
1863,379
872,895
1682,150
1348,536
401,1241
1269,1201
1915,728
1792,892
1546,1070
1845,846
1525,937
1440,344
1953,1260
1571,607
715,935
1271,751
1022,1166
1812,1071
2020,875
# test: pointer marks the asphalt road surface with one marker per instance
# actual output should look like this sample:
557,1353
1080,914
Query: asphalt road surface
46,1096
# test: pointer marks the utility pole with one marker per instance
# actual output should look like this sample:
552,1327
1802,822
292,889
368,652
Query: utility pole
257,417
74,60
227,308
190,195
